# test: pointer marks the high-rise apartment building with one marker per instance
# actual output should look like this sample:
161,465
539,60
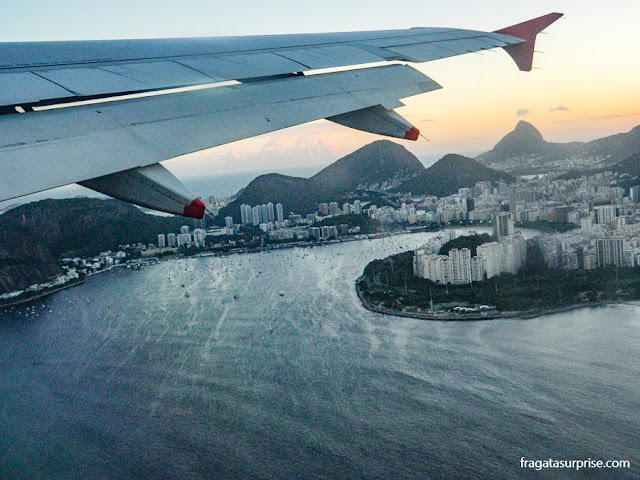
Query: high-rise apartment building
255,216
264,213
171,240
605,214
271,216
460,264
245,214
610,251
503,225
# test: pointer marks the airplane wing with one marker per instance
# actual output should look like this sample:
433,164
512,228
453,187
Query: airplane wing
105,113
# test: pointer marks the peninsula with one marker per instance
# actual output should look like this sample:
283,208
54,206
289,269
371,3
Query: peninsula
389,286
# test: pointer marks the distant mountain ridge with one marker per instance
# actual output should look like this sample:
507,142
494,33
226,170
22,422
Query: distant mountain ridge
380,166
524,150
616,147
451,173
525,139
627,172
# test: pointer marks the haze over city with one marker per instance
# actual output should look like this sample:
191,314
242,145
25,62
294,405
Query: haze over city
584,84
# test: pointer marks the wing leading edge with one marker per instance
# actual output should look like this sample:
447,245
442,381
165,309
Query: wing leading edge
115,146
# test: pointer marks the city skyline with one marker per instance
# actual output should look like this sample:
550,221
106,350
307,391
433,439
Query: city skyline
581,92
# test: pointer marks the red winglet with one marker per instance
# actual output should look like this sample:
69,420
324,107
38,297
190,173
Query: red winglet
522,53
195,209
412,134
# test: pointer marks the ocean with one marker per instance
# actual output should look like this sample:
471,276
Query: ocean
126,377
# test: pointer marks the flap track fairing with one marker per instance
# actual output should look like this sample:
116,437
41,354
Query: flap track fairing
153,187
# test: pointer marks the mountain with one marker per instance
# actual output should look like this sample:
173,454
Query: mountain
379,166
23,261
629,167
449,174
525,151
625,173
35,235
296,194
615,148
525,139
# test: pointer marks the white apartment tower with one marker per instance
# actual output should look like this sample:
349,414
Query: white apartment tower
270,212
279,213
171,240
255,216
605,214
245,214
460,265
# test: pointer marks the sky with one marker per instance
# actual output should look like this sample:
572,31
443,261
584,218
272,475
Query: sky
585,85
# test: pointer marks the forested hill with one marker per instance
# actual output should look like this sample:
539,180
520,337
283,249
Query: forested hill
296,194
379,166
35,235
449,174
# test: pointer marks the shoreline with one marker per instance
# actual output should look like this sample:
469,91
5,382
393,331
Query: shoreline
290,245
452,317
275,247
56,290
41,295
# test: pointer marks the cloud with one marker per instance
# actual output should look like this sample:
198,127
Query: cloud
281,152
306,145
610,117
522,112
559,108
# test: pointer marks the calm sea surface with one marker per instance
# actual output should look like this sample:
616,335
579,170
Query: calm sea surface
126,377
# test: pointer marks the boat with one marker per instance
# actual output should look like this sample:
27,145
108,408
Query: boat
281,294
236,296
186,294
